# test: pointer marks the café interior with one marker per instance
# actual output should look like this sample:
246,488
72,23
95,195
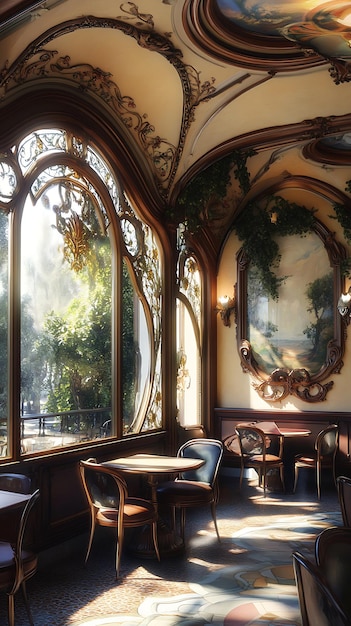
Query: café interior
175,280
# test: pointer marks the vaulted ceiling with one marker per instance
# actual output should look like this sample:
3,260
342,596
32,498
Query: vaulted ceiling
193,79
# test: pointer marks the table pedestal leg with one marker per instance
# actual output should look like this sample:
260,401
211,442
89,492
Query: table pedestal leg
169,542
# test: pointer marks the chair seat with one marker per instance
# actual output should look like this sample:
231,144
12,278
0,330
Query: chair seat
270,459
310,461
7,562
136,512
185,492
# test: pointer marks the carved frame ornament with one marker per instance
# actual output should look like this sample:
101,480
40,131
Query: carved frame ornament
282,382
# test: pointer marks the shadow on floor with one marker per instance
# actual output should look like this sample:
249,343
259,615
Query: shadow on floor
210,581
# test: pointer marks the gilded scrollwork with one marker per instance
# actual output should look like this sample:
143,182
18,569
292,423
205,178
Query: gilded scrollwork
283,382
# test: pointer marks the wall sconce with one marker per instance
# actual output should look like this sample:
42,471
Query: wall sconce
224,307
344,305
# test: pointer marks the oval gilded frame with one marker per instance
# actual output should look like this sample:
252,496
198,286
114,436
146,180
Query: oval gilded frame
300,382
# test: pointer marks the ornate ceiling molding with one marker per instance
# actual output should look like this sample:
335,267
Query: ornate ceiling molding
334,150
39,63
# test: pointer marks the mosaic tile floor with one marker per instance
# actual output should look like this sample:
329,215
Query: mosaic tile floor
245,580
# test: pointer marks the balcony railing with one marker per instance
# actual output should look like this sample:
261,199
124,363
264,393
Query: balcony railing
50,430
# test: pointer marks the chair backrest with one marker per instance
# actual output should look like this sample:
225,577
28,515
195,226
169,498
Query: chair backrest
15,482
211,450
343,484
333,556
327,440
318,606
252,440
104,487
22,538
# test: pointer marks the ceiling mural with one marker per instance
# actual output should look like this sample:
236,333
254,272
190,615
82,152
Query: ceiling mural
264,18
292,35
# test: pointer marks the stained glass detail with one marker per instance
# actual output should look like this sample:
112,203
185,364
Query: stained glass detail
8,181
37,144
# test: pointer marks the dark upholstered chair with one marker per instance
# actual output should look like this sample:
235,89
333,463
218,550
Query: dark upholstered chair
254,453
343,484
318,606
196,488
333,557
17,563
110,506
325,448
15,482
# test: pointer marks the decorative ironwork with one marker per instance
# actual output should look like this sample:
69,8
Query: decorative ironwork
38,63
183,374
131,9
99,166
8,181
79,147
143,253
37,144
190,283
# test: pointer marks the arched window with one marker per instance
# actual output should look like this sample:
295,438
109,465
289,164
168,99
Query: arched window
80,300
189,334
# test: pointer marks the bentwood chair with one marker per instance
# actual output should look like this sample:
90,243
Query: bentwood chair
333,557
18,483
343,484
254,453
15,482
195,488
110,506
325,448
318,606
18,563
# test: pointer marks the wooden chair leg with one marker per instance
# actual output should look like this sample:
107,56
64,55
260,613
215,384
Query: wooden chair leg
92,531
119,546
318,478
155,540
296,472
26,602
119,542
11,609
241,475
214,517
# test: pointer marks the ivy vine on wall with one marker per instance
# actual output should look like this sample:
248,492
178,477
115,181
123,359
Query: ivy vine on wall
259,224
343,215
258,227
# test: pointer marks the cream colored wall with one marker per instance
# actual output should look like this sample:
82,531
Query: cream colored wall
234,387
